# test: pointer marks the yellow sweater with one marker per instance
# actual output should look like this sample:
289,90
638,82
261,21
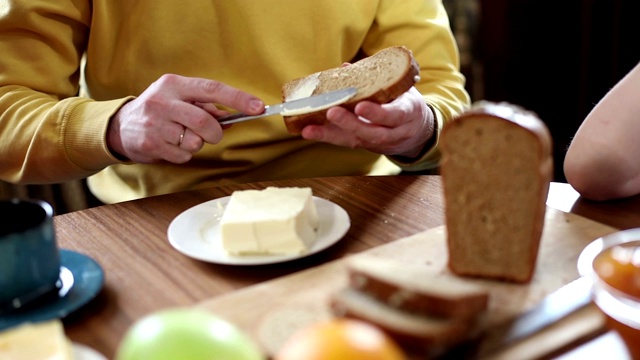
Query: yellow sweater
68,65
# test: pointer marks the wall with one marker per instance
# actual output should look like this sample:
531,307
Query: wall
557,58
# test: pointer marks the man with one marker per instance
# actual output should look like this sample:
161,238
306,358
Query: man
127,92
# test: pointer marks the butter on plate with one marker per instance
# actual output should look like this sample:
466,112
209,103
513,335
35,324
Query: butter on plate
272,221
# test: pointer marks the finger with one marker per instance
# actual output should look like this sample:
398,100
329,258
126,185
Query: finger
378,114
371,137
331,134
176,155
169,133
393,114
171,149
349,130
196,119
347,120
177,151
217,113
211,91
150,151
211,109
340,129
191,142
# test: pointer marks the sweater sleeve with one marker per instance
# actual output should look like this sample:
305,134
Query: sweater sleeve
428,34
48,133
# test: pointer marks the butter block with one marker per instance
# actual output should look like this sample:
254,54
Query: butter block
269,221
35,341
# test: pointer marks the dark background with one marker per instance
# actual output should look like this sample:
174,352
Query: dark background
554,57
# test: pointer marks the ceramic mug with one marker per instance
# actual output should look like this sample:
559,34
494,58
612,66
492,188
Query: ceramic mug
29,255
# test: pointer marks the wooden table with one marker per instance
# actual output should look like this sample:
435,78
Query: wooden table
144,273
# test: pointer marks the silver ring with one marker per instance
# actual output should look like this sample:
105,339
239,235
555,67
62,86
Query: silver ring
182,137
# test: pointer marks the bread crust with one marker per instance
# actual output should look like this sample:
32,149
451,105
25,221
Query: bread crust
426,337
512,119
426,314
408,289
382,95
515,114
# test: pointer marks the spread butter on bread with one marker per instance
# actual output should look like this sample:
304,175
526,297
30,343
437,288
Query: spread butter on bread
380,78
496,168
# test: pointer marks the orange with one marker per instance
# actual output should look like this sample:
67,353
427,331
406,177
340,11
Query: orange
340,339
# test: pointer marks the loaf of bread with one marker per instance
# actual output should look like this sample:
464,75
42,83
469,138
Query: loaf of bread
426,314
380,78
496,168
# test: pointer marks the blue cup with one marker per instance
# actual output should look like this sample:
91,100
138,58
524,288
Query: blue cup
29,255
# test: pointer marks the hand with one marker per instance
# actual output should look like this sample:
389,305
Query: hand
401,127
173,118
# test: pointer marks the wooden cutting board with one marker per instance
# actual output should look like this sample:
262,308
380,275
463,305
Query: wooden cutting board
271,311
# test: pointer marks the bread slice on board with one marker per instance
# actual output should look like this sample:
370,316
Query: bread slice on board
405,287
496,168
415,333
426,314
380,78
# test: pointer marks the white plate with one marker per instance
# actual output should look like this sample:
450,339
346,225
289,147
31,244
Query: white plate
195,233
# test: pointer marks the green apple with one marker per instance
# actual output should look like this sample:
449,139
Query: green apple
186,334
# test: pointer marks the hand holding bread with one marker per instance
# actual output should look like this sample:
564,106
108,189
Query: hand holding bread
387,115
401,127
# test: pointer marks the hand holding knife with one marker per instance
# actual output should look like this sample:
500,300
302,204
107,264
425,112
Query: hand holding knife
295,107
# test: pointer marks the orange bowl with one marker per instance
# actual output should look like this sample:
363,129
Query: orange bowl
613,264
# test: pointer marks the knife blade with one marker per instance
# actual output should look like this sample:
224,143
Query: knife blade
559,304
295,107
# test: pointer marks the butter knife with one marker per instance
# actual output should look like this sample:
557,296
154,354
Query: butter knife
296,107
554,307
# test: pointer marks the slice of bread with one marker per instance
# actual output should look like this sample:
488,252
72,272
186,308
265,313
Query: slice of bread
496,168
407,288
380,78
425,313
417,334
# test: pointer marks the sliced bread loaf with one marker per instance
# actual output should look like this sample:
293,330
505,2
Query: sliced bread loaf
423,312
496,169
380,78
407,287
415,333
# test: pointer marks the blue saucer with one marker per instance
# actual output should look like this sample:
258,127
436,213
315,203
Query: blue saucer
81,277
